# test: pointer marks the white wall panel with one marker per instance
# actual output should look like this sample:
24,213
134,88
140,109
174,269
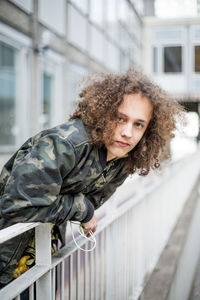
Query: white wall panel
77,31
172,83
112,57
52,13
97,43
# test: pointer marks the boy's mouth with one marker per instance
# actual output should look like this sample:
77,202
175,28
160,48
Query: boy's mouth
122,144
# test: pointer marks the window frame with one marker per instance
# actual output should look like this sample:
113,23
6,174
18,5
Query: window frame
53,64
22,45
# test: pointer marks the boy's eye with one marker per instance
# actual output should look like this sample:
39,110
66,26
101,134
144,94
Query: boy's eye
139,125
120,119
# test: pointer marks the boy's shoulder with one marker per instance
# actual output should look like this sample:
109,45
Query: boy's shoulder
73,131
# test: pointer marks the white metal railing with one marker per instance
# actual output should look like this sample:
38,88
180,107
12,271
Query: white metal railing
130,238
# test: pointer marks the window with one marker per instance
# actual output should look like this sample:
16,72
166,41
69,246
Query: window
111,25
76,73
173,59
52,14
197,58
82,5
96,12
77,30
7,94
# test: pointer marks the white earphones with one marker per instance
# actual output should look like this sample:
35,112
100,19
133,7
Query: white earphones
81,232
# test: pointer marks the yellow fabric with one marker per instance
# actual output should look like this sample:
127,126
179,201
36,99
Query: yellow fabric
28,260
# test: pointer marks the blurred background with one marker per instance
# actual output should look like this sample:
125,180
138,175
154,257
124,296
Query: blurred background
47,46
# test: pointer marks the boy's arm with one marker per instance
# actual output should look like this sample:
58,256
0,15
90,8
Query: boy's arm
32,192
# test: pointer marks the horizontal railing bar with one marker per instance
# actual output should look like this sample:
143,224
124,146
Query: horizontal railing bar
17,286
14,230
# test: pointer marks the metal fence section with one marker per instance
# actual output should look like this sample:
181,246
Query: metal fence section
130,238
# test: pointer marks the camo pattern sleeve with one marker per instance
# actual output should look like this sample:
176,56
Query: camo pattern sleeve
32,189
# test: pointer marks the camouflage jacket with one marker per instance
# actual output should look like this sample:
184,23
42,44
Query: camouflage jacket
57,175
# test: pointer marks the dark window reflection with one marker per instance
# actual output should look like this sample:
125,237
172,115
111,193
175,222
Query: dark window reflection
173,59
197,59
7,94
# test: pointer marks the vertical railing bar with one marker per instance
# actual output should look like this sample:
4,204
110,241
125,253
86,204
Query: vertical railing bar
70,276
102,266
104,263
31,292
95,273
77,274
99,266
126,284
90,272
62,275
53,283
85,271
17,298
43,257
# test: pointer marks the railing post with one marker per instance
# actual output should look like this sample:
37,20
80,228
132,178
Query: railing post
43,257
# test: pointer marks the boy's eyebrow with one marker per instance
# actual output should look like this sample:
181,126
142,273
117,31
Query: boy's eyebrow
143,121
140,120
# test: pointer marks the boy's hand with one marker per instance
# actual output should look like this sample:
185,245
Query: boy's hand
91,225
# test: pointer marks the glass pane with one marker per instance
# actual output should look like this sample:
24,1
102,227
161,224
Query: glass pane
76,73
47,98
7,94
197,59
52,14
77,29
97,43
96,12
82,5
172,59
111,24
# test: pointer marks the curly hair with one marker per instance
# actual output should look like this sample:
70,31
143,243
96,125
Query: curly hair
100,97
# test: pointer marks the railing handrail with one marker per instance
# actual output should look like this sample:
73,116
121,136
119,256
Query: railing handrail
19,228
15,230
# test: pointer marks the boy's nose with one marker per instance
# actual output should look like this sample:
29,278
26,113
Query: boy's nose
127,131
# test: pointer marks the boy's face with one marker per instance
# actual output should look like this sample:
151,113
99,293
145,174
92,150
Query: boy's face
134,115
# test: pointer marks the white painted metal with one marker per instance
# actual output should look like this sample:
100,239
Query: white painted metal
31,292
53,282
86,277
70,277
62,284
77,273
14,230
129,242
43,257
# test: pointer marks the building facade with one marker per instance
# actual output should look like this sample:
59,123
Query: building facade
171,56
46,47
